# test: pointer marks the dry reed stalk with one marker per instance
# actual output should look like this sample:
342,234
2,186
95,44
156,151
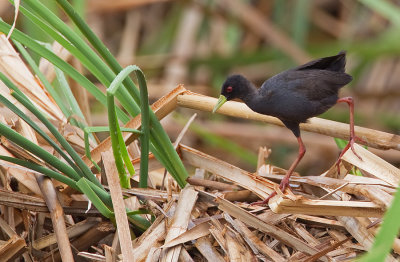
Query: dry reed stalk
318,221
110,254
72,231
360,233
50,196
57,217
92,236
260,186
207,249
161,108
253,241
373,165
373,138
119,206
273,231
14,246
196,232
154,234
179,222
278,204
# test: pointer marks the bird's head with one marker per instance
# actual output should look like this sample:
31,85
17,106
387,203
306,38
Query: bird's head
235,86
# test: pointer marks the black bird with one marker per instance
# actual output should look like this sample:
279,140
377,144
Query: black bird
293,96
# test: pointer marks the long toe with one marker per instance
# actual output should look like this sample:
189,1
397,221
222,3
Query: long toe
284,184
355,153
337,164
265,201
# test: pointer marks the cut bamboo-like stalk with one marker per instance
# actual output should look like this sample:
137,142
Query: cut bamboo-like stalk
373,138
57,216
72,231
119,206
253,241
259,185
154,234
207,249
161,108
196,232
180,221
326,207
12,248
276,232
373,165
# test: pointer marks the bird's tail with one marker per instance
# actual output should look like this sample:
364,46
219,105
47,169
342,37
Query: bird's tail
335,63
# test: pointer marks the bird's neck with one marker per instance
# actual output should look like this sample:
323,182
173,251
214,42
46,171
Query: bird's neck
251,95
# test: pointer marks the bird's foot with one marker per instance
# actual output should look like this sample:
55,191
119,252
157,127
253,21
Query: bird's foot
282,186
351,146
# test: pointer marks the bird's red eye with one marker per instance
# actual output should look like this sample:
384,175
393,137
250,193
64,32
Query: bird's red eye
229,89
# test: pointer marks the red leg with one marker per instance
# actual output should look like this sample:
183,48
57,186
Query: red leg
349,100
285,181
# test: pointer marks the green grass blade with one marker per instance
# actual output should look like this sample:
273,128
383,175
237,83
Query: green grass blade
63,142
42,78
144,137
38,151
115,141
43,170
92,196
58,62
93,129
175,165
100,69
35,127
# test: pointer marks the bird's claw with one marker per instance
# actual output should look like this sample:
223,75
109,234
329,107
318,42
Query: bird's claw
282,186
349,145
352,147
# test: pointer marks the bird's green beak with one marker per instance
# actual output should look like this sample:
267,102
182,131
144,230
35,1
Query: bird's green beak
221,101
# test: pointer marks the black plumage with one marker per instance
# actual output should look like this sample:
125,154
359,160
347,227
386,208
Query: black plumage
294,95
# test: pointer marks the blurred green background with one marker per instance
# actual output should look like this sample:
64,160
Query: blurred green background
198,43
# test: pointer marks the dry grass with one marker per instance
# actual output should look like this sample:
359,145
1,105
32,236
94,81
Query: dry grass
325,217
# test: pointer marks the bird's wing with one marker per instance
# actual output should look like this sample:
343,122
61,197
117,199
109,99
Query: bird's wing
312,84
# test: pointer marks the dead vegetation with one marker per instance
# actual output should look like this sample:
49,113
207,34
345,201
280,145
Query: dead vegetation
327,217
330,217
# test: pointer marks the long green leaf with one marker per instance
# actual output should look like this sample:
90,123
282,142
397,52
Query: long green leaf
88,191
35,127
64,143
175,165
106,74
116,137
38,151
144,137
43,170
93,129
55,60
